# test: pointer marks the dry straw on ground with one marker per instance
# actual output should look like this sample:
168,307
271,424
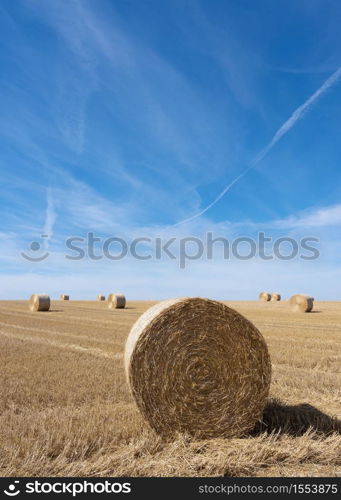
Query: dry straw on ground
100,297
39,302
301,303
65,409
264,296
199,367
116,301
64,297
275,297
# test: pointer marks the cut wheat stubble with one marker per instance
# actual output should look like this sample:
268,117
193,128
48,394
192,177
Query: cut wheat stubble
197,367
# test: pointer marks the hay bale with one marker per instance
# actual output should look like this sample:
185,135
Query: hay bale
116,301
275,297
197,366
39,302
264,297
64,297
301,303
100,297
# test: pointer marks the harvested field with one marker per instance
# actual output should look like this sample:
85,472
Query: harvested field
65,407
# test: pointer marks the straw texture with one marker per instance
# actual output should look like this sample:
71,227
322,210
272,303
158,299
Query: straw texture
39,302
100,297
275,297
264,297
116,301
301,303
64,297
199,367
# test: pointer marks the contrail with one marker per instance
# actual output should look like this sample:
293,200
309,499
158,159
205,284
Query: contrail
297,115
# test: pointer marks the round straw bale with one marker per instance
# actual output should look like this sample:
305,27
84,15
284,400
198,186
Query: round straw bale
301,303
275,297
117,301
64,297
39,302
264,296
197,366
100,297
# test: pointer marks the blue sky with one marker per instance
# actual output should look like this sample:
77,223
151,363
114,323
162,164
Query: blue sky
125,118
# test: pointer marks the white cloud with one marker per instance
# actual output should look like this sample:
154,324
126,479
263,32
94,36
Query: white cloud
50,216
230,280
312,218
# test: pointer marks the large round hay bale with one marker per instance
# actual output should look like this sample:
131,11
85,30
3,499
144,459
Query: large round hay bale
39,302
301,303
116,301
100,297
64,297
264,297
199,367
275,297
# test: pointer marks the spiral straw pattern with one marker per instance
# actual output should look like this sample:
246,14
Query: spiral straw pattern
199,367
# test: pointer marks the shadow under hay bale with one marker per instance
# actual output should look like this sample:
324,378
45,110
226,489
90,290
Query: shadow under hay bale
295,420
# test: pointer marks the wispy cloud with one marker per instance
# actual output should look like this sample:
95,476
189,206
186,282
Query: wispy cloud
177,118
75,73
312,218
50,216
294,118
145,280
155,112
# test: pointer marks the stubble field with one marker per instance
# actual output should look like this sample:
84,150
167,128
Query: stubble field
65,408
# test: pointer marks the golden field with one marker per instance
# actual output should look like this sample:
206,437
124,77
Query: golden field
65,408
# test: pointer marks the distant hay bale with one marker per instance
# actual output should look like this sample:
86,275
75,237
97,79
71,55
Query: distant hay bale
198,367
100,297
301,303
264,297
64,297
275,297
116,301
39,302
